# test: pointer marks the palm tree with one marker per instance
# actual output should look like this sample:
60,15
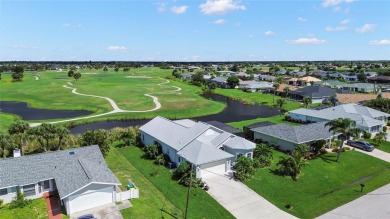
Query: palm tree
276,86
307,101
286,90
62,134
6,143
344,126
279,80
281,102
18,130
380,137
291,165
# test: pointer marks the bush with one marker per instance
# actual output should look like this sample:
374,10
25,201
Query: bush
323,151
244,168
262,156
19,202
1,203
183,175
367,135
384,128
388,123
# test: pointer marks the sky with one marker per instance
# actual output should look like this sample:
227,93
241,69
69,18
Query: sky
196,30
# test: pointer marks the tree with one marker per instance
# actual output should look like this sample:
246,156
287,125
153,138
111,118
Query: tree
276,87
307,101
244,168
197,79
344,126
18,129
153,150
262,156
105,68
302,149
280,102
380,137
233,81
98,137
17,75
77,75
183,175
318,145
333,99
286,90
126,69
362,77
62,134
279,80
70,73
291,165
45,134
116,69
6,144
176,73
234,68
381,104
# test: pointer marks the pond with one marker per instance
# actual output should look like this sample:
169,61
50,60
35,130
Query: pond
27,113
234,111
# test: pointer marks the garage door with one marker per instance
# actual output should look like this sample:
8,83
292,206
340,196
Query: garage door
90,200
210,169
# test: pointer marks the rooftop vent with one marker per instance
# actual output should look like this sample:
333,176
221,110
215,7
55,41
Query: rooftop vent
17,152
71,152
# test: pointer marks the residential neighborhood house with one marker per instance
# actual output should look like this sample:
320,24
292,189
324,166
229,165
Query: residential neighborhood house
80,176
287,137
316,93
367,119
209,149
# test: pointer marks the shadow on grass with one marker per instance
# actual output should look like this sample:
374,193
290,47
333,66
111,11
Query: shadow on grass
168,213
328,158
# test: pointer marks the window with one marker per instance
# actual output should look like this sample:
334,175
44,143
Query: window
3,192
143,138
29,190
46,184
249,155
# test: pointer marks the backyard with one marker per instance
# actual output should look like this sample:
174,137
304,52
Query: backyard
324,184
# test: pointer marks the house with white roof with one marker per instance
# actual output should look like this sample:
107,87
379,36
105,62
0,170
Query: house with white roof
367,119
210,149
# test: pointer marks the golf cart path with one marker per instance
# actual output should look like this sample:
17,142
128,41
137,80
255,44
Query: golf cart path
372,205
115,107
240,200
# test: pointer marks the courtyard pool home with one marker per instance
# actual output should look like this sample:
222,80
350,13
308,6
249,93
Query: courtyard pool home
209,149
80,176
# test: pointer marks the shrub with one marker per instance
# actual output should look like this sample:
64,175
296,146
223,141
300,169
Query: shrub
367,135
152,151
323,151
183,175
244,168
388,123
384,128
1,203
19,202
262,156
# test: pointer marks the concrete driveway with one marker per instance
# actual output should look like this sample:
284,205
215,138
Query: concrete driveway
241,201
109,211
376,153
372,205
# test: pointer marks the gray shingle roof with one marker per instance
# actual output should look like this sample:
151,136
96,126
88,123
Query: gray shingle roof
70,172
297,134
200,153
317,92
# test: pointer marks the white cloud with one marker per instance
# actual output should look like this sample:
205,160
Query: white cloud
310,41
250,36
269,33
302,19
219,21
179,9
68,25
220,6
161,6
333,29
379,42
24,47
346,21
331,3
117,48
366,28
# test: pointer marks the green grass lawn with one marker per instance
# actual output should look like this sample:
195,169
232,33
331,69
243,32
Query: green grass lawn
36,209
201,204
278,119
255,97
385,146
324,184
48,93
5,121
151,200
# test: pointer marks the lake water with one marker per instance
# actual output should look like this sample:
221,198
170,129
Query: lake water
27,113
235,111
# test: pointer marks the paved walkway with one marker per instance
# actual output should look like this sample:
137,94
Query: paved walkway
241,201
53,206
372,205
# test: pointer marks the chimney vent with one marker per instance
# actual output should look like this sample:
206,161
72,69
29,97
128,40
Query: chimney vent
17,152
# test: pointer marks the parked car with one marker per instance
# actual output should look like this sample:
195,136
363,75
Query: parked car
87,216
361,145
